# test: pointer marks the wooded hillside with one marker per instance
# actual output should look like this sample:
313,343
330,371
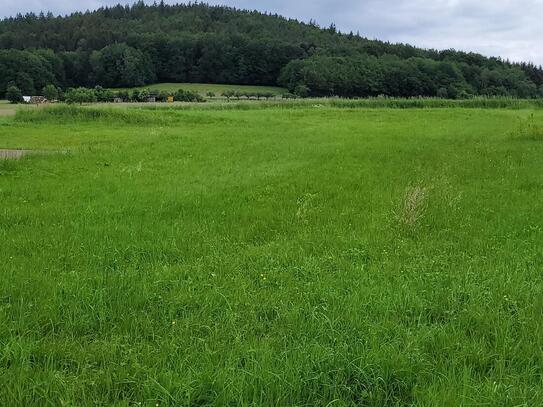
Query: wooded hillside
125,46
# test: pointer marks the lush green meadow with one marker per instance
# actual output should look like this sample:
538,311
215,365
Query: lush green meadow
204,88
309,256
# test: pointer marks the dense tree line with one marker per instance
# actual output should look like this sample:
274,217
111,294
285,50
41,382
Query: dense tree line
135,45
392,76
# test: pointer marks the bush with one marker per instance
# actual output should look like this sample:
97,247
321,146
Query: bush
123,95
442,93
134,96
14,94
187,96
163,96
104,95
143,95
80,95
50,92
302,91
228,94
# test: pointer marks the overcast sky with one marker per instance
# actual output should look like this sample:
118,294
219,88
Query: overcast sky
509,28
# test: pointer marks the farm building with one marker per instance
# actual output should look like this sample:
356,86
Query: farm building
34,100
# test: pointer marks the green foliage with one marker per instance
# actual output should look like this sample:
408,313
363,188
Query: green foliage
80,96
50,92
364,76
134,96
104,95
138,45
143,95
301,90
123,95
14,95
28,70
187,96
228,94
162,96
120,65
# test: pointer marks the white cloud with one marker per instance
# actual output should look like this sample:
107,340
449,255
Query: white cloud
507,28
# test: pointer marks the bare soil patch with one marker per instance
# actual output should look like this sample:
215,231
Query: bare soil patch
6,111
6,154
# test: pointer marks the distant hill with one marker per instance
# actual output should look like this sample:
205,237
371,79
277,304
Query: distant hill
127,46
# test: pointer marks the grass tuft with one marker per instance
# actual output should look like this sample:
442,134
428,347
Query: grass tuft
529,129
414,206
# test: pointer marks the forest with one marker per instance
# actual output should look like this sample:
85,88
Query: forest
128,46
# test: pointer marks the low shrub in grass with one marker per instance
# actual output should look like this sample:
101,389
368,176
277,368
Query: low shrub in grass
187,96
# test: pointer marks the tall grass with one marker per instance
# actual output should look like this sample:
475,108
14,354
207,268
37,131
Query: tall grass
70,113
371,103
529,129
166,114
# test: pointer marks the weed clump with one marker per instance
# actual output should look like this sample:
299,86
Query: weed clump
414,206
529,129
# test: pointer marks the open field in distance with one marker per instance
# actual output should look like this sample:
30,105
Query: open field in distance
274,256
204,88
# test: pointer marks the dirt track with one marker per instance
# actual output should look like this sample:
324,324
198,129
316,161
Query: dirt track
13,154
7,111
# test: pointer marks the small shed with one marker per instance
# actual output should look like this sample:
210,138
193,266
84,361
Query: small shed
117,100
37,100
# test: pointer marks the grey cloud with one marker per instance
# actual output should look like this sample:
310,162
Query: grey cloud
507,28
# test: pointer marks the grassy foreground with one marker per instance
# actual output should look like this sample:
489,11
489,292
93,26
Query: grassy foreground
274,257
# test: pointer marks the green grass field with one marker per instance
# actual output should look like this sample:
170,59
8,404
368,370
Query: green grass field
314,256
204,88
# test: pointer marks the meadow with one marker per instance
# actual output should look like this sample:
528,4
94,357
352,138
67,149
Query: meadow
204,88
304,254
